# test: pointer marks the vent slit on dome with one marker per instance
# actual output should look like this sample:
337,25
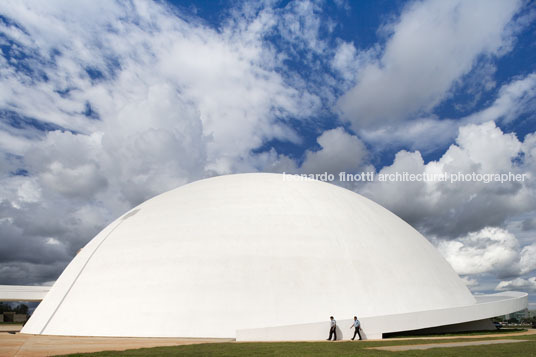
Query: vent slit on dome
130,214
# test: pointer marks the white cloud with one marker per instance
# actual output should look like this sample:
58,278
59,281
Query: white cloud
490,250
464,219
345,60
300,25
433,44
451,209
339,151
483,147
527,260
518,284
514,99
424,134
469,282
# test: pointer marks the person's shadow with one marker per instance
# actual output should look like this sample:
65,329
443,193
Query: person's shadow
339,333
363,334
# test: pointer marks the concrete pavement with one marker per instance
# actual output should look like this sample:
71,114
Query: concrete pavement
17,344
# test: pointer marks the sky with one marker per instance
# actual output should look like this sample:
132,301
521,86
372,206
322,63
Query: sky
105,104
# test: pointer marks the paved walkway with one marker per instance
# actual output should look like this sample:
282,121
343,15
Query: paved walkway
447,344
38,345
10,327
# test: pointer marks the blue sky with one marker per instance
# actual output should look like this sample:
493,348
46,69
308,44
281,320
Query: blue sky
106,104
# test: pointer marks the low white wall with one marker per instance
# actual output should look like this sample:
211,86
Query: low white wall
23,293
487,306
306,332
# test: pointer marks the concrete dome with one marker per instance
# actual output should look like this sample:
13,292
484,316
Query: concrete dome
246,251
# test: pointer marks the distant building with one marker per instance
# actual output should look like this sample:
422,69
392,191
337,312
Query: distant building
518,315
13,317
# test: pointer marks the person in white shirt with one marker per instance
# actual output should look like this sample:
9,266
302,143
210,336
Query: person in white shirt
357,326
333,329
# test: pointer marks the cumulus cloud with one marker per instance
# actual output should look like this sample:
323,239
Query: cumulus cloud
518,284
345,60
464,219
339,151
431,46
469,282
490,250
452,209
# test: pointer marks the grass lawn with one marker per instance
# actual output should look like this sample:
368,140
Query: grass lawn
343,348
475,333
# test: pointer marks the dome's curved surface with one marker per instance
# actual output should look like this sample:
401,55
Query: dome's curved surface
246,251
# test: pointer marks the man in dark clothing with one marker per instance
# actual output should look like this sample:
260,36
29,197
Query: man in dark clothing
357,326
333,329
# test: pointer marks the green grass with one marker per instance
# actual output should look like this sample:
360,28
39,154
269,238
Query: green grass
475,333
343,348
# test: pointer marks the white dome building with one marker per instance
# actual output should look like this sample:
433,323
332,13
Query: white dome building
259,257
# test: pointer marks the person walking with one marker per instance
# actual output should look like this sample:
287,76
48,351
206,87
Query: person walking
332,329
357,326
